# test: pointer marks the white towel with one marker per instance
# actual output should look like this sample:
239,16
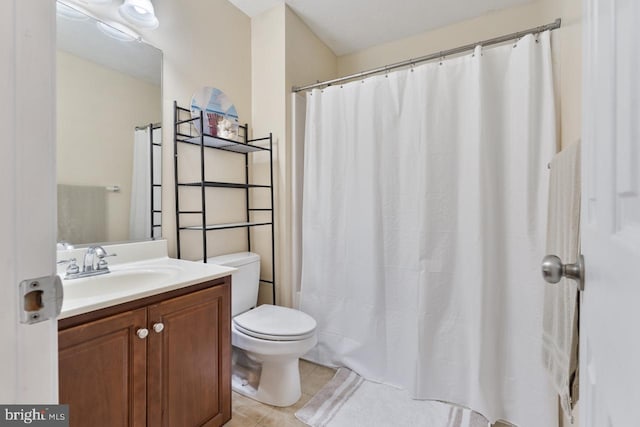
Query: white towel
81,214
560,319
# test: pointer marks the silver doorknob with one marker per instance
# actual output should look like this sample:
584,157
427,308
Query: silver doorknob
142,333
158,327
553,270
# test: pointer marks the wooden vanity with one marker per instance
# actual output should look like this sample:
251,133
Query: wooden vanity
161,360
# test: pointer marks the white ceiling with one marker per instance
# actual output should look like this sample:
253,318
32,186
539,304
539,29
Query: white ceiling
347,26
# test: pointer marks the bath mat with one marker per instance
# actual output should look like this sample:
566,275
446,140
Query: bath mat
348,400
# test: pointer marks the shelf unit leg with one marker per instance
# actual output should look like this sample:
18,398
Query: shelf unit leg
203,193
175,174
273,224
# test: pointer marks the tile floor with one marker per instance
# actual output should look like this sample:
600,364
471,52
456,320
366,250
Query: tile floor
249,413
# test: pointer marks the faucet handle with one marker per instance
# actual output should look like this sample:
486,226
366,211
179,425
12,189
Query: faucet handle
72,268
102,253
102,262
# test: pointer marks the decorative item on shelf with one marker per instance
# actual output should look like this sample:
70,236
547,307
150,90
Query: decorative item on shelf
213,119
227,129
220,115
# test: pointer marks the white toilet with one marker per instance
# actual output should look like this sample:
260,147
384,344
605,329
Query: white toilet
267,340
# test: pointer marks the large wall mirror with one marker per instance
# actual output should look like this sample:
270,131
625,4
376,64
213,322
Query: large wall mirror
109,106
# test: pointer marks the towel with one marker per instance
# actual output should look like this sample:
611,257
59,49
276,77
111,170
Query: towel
560,317
82,214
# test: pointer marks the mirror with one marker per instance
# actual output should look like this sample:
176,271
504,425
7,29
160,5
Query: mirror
109,151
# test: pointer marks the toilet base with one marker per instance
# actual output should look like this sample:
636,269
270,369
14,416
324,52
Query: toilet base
266,370
279,383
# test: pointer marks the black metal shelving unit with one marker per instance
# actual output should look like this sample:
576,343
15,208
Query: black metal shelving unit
184,125
153,146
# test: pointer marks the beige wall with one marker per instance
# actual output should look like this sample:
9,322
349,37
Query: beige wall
97,111
308,59
566,44
284,53
268,82
204,43
255,62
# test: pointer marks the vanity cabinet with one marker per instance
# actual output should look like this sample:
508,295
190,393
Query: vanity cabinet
164,360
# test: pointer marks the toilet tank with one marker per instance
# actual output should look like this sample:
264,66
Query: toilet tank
244,282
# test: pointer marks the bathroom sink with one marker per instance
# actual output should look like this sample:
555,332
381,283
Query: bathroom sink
133,279
119,281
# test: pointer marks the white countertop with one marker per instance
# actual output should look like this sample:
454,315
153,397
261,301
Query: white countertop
129,281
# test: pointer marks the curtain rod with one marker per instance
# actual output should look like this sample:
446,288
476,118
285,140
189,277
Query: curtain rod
410,62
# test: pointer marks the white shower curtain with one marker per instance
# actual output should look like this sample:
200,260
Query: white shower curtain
140,208
424,213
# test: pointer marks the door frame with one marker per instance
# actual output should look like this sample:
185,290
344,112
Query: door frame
29,353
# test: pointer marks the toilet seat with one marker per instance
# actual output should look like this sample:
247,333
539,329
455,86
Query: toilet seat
275,323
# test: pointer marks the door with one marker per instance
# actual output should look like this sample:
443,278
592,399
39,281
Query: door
28,354
103,371
610,223
189,374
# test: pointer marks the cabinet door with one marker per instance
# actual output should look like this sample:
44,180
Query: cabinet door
102,368
189,377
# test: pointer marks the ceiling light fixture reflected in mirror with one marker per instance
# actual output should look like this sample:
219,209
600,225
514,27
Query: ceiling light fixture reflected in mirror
118,31
139,13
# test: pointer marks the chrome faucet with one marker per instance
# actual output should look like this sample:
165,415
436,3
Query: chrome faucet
90,256
90,266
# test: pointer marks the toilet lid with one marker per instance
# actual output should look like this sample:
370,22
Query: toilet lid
270,322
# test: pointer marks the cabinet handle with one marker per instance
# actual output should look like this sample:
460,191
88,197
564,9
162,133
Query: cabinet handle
142,333
158,327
